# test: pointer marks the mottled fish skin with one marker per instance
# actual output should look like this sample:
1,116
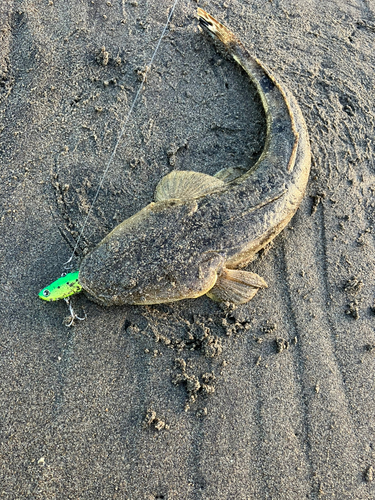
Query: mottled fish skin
177,249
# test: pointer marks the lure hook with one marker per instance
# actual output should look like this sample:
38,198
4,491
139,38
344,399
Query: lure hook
73,315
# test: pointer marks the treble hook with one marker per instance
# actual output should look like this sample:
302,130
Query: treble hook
68,264
73,315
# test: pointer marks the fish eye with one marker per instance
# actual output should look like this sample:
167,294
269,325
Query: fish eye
46,293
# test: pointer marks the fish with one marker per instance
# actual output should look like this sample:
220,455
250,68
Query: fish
201,231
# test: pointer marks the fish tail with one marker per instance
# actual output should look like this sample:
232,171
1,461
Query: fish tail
216,29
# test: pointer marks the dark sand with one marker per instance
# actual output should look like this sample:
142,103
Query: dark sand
273,400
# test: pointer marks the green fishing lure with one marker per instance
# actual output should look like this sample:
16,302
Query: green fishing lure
63,287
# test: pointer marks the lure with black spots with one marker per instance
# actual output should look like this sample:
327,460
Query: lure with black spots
62,288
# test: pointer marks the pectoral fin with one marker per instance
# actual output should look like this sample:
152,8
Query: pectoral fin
236,286
183,185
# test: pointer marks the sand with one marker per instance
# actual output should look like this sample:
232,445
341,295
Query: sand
192,400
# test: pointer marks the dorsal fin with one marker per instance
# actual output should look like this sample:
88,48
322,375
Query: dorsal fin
184,184
229,174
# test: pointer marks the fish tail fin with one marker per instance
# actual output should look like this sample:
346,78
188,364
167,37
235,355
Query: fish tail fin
215,28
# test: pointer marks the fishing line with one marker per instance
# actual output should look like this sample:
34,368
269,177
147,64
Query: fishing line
148,68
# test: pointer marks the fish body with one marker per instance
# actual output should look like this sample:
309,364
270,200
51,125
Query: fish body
201,230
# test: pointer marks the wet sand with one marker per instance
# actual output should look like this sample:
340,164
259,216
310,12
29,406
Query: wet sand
192,400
